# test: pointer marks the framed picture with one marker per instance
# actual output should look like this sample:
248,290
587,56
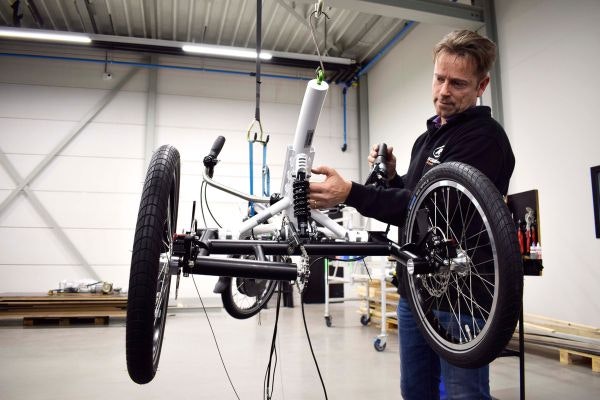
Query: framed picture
596,197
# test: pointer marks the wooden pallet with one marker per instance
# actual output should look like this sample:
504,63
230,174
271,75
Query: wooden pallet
62,309
568,356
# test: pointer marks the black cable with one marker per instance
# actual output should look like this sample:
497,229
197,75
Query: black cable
273,352
207,207
311,348
215,339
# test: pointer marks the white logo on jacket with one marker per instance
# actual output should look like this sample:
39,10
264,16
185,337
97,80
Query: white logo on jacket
437,152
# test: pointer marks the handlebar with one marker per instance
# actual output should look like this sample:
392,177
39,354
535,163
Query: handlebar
381,159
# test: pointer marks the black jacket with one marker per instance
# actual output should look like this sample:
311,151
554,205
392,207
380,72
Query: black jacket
472,137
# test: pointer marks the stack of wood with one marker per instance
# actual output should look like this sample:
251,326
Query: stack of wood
62,308
571,340
374,299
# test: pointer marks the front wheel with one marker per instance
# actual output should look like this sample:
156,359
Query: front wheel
150,275
467,305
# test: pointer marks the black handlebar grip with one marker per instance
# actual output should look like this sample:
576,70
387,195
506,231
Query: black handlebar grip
382,153
216,147
381,159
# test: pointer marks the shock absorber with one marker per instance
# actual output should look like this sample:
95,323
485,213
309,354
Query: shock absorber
300,191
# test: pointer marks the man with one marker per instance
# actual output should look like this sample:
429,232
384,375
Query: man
460,131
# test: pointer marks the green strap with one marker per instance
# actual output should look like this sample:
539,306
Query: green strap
320,76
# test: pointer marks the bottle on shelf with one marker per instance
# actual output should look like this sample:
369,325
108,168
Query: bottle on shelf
532,251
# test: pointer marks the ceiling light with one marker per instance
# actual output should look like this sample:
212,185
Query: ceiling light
224,51
44,35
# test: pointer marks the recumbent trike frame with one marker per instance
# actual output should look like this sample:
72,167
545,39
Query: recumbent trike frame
460,262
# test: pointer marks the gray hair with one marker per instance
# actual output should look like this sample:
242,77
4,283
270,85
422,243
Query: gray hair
465,42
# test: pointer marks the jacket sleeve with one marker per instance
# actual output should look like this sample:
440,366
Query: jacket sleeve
397,182
386,205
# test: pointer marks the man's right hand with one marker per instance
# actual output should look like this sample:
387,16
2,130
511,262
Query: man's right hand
390,164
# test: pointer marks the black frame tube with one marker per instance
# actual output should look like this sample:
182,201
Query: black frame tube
243,268
244,247
260,268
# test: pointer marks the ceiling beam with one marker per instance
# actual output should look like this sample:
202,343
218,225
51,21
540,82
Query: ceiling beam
237,24
439,12
143,18
62,13
126,11
222,23
91,12
293,12
48,14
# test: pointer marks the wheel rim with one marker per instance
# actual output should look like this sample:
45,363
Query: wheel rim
244,302
456,302
162,286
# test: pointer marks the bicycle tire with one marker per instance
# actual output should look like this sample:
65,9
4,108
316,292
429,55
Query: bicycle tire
467,311
150,275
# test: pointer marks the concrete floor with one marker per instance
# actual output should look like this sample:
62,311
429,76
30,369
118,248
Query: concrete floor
88,362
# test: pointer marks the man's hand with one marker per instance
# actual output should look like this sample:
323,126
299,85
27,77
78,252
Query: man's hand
331,192
390,164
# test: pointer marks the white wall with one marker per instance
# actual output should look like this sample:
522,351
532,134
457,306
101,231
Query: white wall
400,92
548,51
92,187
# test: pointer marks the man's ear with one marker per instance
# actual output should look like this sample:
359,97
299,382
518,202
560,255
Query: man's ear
482,85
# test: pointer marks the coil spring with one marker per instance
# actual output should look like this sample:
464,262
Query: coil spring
300,190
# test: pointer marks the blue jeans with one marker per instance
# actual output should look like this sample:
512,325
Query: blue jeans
421,368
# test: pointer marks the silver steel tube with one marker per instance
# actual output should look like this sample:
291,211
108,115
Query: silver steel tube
232,191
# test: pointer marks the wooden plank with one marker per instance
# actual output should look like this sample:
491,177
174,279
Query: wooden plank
89,314
557,343
532,328
563,326
375,295
65,320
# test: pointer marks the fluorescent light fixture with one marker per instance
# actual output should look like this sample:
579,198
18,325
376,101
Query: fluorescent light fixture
224,51
44,35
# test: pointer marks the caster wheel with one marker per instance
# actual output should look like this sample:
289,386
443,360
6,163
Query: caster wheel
365,319
328,321
379,345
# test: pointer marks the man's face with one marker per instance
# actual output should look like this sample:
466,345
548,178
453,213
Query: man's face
456,84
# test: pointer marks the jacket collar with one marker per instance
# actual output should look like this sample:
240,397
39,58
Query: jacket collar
433,123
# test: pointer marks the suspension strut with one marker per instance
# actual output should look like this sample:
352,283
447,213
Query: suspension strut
300,191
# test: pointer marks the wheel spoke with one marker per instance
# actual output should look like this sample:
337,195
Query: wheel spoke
459,298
